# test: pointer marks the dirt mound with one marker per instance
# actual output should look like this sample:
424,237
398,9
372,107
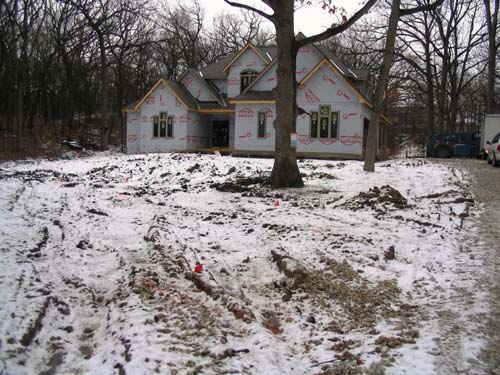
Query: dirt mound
362,302
376,198
241,184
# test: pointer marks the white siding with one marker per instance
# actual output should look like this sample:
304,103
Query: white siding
161,100
248,60
246,127
133,137
325,88
268,80
198,130
221,84
196,89
307,58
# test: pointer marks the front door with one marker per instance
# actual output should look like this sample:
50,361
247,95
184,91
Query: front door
220,133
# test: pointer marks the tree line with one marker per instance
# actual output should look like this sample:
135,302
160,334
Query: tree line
69,66
445,64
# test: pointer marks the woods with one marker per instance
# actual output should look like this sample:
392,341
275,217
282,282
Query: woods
68,67
441,79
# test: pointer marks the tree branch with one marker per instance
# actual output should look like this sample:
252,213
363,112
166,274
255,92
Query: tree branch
248,7
334,30
421,8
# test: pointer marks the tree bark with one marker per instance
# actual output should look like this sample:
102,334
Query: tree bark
285,171
430,82
378,100
492,24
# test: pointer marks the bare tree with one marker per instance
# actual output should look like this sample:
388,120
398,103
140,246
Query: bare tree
491,10
285,171
232,32
396,13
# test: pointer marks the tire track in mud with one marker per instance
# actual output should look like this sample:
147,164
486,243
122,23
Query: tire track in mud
62,329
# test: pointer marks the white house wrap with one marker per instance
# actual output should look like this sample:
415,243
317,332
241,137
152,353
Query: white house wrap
230,105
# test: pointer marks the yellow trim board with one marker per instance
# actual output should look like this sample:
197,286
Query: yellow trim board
175,94
237,56
155,86
252,101
209,111
361,98
386,119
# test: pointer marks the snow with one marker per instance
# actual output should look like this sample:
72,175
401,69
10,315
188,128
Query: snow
107,281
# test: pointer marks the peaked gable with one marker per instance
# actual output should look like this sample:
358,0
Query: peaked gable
266,80
235,58
327,63
180,93
199,88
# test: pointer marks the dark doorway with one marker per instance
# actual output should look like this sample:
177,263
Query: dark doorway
220,133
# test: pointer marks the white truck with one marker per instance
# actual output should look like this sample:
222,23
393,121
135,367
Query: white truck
491,127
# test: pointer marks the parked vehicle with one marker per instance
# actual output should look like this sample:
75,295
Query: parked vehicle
493,150
453,144
490,128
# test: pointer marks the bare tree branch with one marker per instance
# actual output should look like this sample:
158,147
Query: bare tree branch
334,30
248,7
421,8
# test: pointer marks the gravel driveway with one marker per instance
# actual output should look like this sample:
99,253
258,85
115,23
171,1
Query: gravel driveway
471,322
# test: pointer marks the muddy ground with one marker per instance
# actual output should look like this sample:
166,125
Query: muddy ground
100,258
484,325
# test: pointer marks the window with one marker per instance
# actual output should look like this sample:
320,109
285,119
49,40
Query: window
163,126
314,124
247,77
170,126
156,126
324,124
334,125
261,125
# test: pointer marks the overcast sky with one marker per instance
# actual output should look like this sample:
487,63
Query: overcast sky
310,19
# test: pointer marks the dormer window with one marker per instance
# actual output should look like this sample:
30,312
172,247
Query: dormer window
247,77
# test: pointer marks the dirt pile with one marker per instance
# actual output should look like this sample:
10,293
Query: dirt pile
241,184
362,302
384,198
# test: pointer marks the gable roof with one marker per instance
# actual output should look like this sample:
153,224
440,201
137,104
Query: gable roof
215,70
198,76
179,91
336,70
185,98
322,51
263,56
259,76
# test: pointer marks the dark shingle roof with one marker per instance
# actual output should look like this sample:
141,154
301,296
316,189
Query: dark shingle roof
213,105
131,106
216,69
183,94
335,61
200,78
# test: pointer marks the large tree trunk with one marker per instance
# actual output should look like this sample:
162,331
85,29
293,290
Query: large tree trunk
429,83
378,100
105,131
20,79
285,171
491,22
